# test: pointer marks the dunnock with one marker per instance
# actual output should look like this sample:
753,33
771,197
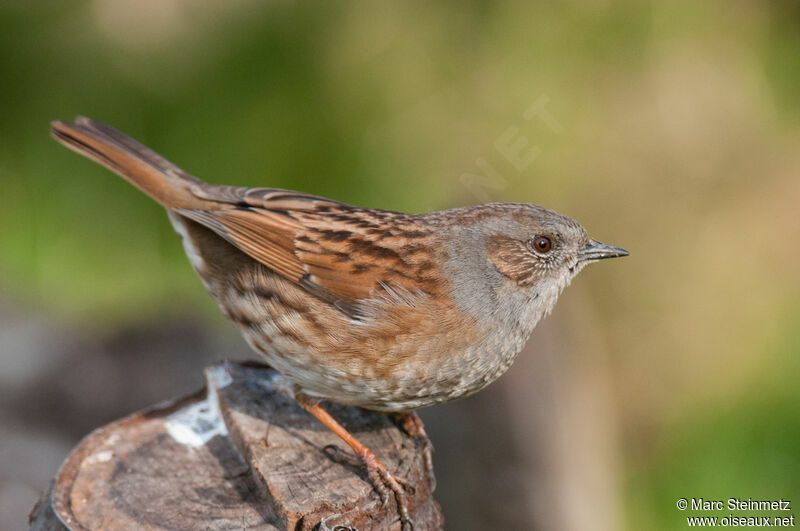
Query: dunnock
378,309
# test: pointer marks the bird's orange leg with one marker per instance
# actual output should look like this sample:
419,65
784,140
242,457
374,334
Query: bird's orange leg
412,425
380,477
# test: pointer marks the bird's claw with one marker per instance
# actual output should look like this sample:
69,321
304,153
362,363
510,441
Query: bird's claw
384,482
413,426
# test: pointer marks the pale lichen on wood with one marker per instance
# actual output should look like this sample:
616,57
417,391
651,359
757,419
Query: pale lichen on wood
242,454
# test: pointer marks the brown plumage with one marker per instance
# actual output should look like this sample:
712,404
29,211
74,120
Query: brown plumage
379,309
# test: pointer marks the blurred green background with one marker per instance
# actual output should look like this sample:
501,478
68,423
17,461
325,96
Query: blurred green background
669,128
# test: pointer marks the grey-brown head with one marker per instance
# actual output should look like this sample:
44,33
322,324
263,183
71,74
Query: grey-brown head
538,245
531,254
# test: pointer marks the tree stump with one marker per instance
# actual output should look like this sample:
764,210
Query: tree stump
239,454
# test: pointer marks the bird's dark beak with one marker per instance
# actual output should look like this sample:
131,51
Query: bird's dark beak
595,250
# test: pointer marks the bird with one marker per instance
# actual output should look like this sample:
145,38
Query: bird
384,310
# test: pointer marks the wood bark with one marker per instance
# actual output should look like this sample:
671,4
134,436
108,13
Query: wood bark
239,454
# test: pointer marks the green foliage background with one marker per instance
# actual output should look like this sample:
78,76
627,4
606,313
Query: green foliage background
680,141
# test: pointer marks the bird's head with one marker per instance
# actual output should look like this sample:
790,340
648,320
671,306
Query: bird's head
541,251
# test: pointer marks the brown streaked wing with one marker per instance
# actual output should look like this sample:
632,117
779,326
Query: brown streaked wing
265,236
337,252
352,255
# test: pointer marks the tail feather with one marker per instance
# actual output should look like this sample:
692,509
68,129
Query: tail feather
144,168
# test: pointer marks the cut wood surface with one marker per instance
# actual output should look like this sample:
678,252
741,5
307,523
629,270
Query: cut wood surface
239,455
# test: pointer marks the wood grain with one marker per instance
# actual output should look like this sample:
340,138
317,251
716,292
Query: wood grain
240,454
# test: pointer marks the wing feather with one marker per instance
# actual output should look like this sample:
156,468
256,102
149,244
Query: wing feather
265,236
337,252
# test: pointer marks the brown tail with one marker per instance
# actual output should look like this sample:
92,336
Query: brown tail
147,170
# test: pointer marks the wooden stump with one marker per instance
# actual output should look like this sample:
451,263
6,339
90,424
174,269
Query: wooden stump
240,454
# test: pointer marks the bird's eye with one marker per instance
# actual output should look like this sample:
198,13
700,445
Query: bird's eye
541,244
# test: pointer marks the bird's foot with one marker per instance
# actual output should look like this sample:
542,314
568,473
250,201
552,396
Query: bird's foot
382,480
412,425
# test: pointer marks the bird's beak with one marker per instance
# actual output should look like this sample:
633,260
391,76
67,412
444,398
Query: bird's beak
595,250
